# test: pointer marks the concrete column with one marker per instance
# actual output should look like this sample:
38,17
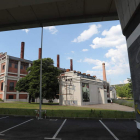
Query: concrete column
129,15
5,78
19,64
17,96
104,72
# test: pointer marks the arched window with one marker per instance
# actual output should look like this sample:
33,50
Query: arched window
2,86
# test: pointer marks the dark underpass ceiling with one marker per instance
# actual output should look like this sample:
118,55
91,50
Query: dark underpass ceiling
21,14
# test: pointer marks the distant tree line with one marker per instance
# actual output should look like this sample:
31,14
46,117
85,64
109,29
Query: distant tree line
125,91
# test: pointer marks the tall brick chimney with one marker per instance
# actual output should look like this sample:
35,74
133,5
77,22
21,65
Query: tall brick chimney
71,65
39,53
58,61
104,72
22,50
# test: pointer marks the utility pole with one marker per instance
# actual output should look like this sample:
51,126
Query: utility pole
41,76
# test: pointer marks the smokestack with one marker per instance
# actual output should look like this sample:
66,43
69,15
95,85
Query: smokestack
71,65
22,50
58,61
39,53
104,72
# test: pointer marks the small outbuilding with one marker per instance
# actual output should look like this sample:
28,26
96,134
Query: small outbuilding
113,93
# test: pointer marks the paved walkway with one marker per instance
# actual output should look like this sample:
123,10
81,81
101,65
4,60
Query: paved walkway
112,106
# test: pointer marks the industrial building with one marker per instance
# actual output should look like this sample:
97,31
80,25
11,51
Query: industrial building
80,89
75,88
11,70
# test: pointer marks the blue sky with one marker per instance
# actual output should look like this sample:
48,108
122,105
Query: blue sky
88,44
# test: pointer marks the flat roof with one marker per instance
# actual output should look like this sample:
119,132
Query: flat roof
22,14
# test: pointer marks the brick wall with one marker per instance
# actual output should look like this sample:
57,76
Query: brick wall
22,96
13,68
23,70
1,96
7,96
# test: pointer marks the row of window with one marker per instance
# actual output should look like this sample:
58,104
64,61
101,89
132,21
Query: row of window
11,86
16,66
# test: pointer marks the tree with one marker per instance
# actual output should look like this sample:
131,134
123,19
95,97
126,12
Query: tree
31,83
125,90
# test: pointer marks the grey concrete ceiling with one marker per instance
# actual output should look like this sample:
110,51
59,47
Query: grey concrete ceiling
22,14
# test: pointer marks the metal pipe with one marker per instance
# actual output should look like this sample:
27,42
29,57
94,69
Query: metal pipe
41,76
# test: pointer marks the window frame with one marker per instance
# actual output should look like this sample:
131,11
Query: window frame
11,88
2,86
10,65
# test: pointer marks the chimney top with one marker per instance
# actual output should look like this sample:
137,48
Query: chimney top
58,61
22,50
39,55
71,65
103,63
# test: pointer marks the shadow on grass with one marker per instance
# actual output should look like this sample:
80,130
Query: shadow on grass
70,113
45,103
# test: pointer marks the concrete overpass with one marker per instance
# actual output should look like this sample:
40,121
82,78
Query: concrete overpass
19,14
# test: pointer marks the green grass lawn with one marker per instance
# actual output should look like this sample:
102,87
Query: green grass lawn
129,103
54,110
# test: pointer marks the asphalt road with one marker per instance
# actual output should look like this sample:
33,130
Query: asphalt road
27,128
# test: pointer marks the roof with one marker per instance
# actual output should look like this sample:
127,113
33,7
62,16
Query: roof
21,14
19,59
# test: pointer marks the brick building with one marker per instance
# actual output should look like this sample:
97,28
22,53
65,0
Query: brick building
11,70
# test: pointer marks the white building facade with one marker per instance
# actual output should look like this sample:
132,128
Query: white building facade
113,94
81,89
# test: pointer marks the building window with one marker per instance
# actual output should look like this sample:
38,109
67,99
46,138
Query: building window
11,97
3,67
10,65
16,66
2,86
26,67
21,67
11,87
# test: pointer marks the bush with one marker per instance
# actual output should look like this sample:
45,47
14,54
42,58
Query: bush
1,100
129,103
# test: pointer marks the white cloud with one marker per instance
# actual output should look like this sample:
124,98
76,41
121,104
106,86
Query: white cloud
26,30
117,63
87,34
72,51
69,57
124,82
52,29
85,50
96,62
112,38
79,60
